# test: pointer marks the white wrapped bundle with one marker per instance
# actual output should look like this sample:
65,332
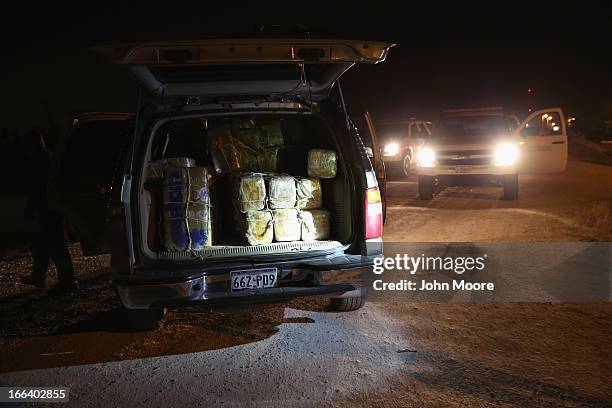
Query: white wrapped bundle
251,192
282,192
287,226
322,163
315,224
259,228
309,193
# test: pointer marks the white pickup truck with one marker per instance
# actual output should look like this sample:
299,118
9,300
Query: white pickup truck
477,146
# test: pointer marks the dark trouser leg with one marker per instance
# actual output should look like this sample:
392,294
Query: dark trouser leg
40,254
57,248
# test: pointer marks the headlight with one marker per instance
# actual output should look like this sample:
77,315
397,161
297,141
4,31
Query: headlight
506,155
391,149
426,157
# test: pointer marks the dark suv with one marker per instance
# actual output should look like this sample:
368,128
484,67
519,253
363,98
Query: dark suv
193,90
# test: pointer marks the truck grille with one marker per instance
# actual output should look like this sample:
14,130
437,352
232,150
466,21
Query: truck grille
465,157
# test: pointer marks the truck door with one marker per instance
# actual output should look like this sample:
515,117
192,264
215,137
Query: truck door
542,138
85,170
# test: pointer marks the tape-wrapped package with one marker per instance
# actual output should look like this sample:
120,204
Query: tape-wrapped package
186,203
322,163
240,147
315,224
282,193
251,192
258,227
287,225
309,193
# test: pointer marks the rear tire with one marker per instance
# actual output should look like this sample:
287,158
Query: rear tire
348,304
143,319
426,187
511,187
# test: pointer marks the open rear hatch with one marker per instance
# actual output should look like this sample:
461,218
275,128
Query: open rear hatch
265,68
223,72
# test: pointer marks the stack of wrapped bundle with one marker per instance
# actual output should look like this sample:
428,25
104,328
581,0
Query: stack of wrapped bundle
187,221
254,219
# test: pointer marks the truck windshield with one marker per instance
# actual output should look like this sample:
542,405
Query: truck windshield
473,128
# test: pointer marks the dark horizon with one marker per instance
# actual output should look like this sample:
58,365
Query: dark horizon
457,58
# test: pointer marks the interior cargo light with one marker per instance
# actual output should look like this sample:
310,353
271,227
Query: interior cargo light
373,213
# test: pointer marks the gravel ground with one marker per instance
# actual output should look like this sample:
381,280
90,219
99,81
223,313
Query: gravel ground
301,354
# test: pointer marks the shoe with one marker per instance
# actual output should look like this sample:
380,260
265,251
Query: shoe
31,280
65,287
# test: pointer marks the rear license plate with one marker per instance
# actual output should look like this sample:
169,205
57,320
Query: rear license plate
253,279
463,169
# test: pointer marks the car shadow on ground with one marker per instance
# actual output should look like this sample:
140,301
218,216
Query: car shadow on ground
42,330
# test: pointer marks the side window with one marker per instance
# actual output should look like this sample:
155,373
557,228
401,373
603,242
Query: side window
547,124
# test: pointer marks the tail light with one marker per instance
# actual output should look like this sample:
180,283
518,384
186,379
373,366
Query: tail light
373,213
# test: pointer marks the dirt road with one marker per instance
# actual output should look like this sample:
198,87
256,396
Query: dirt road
386,354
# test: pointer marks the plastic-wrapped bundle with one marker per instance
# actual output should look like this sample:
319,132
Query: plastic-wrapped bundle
309,193
258,227
182,185
251,192
315,224
187,227
187,221
156,168
322,163
240,147
282,192
287,226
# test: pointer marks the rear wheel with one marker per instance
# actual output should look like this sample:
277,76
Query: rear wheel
511,187
144,319
347,304
426,187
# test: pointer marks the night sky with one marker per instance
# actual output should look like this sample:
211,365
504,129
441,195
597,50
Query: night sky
445,57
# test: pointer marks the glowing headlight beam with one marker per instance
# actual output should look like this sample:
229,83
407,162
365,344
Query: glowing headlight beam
391,149
506,154
426,157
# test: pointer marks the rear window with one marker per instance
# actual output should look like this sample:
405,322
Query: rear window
95,146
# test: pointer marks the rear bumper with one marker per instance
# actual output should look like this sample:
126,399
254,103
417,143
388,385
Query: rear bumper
214,290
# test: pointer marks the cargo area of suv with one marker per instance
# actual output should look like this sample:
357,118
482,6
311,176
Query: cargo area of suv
274,151
240,178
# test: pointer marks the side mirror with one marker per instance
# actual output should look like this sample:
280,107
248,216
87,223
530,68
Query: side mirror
369,152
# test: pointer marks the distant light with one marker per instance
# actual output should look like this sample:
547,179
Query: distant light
554,124
529,90
526,124
530,109
544,116
556,128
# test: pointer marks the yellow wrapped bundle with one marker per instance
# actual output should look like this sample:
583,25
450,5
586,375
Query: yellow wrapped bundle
308,193
315,224
322,163
287,225
259,228
251,192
